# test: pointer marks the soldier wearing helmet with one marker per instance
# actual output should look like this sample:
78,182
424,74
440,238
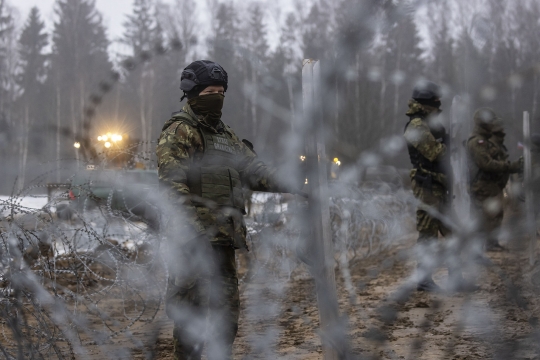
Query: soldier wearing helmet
489,170
427,144
203,167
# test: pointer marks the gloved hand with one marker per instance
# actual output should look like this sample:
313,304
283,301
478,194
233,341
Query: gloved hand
517,166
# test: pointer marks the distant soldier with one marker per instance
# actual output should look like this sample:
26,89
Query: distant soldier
203,166
489,170
427,143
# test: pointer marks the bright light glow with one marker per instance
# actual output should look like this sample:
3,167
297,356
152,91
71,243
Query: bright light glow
336,160
306,181
110,137
107,144
338,163
77,145
302,157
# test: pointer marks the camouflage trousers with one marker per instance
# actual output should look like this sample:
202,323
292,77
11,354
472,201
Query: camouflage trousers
205,306
489,213
427,225
430,226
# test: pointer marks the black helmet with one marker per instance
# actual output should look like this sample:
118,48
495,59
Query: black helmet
426,90
202,72
487,118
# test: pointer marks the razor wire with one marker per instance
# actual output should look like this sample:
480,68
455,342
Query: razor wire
82,260
55,275
93,255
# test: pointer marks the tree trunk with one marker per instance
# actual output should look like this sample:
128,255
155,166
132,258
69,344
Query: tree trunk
382,98
357,95
142,113
150,113
254,99
337,108
58,124
23,149
246,102
291,101
74,126
396,89
535,97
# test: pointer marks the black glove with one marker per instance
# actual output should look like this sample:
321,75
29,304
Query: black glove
517,166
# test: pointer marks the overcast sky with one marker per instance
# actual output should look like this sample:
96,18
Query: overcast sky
114,14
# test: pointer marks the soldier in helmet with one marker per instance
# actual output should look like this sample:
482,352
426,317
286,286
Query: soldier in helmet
203,166
489,170
427,144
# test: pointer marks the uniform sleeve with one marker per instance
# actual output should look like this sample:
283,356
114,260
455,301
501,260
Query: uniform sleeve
418,135
479,153
175,151
255,174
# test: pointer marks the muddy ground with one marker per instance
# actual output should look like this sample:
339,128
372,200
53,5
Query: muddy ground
280,319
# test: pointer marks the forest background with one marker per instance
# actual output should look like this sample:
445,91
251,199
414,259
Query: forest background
66,85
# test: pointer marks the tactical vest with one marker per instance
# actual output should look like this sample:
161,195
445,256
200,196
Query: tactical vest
215,176
419,161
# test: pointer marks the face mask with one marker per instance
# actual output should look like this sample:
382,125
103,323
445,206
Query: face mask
208,106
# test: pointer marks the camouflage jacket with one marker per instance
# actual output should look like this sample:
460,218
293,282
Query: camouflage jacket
179,146
489,168
427,141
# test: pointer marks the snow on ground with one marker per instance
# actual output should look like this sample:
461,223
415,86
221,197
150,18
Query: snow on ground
27,202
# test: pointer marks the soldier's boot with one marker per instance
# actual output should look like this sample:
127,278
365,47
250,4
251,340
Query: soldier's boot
424,268
428,285
184,347
426,282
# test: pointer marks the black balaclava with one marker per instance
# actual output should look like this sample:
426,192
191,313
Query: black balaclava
208,106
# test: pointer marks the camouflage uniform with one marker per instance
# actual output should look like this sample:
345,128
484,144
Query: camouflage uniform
426,141
429,182
215,213
489,171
